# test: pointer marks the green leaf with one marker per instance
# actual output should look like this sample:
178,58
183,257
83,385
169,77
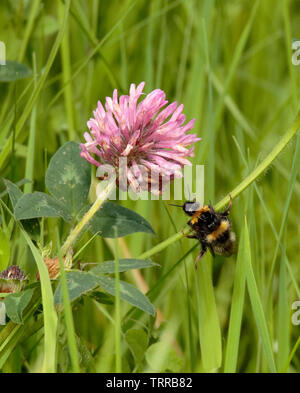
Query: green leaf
127,292
13,71
31,226
4,250
39,204
102,297
78,283
126,221
124,265
137,340
13,191
16,303
162,357
68,177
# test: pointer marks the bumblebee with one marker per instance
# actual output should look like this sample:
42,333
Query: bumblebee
212,229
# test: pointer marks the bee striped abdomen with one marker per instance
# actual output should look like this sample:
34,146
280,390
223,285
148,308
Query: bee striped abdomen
221,233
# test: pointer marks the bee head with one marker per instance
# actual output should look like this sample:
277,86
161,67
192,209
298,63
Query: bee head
190,207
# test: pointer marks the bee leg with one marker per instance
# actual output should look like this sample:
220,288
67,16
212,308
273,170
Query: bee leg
227,211
203,251
189,236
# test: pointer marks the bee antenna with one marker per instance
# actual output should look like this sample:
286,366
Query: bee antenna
171,204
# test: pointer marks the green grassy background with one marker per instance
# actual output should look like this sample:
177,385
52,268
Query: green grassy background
229,62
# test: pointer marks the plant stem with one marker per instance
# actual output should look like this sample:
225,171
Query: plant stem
290,133
161,246
117,307
102,197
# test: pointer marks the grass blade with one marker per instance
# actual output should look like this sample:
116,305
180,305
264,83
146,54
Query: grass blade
283,317
236,312
257,304
209,325
29,170
50,316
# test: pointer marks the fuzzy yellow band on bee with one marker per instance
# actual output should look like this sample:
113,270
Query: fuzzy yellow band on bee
198,213
223,227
